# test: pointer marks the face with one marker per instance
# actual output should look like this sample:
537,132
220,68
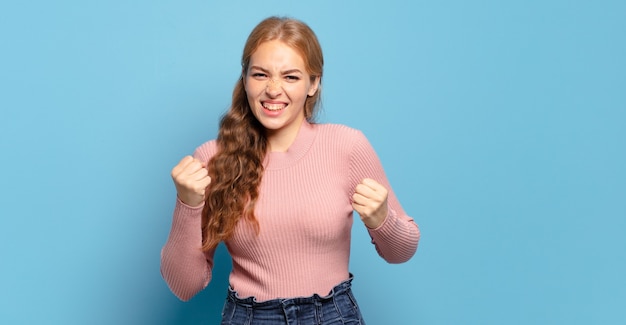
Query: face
277,86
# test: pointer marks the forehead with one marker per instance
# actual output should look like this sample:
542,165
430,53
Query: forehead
277,54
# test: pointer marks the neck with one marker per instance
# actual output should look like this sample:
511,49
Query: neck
281,140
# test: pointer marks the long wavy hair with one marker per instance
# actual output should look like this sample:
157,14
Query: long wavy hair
237,167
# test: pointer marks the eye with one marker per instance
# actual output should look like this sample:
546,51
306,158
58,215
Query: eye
259,75
292,78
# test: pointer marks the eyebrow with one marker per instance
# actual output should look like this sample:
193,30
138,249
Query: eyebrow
290,71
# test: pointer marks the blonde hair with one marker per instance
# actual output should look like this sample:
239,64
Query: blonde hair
237,168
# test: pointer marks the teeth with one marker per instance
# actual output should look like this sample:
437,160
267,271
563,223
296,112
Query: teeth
274,107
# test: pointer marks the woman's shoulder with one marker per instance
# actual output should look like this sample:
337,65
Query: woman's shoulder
340,134
206,150
340,138
338,130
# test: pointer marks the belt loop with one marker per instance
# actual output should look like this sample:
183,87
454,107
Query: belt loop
318,311
250,312
291,311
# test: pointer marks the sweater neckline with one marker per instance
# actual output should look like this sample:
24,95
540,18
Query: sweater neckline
300,146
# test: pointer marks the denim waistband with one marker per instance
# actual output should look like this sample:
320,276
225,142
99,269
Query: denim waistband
339,289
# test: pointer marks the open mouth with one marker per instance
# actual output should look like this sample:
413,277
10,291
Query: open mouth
274,107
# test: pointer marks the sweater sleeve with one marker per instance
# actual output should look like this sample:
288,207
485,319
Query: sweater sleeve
397,238
184,266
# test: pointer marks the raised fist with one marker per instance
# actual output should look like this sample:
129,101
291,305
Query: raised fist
191,179
370,201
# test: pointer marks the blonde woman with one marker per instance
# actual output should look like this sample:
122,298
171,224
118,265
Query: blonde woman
280,191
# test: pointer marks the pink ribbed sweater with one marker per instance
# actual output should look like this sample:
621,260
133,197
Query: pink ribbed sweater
305,214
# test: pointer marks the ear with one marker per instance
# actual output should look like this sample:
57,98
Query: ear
314,86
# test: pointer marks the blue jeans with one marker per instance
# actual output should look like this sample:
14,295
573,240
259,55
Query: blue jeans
339,307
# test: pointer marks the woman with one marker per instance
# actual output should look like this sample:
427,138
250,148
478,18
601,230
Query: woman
280,192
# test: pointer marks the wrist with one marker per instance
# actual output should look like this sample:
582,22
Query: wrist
191,202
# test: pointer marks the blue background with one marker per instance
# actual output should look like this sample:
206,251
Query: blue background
501,125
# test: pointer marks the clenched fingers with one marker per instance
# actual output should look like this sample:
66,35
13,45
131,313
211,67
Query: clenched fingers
187,165
370,201
369,192
191,179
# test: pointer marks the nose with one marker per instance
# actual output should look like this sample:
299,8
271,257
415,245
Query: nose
273,87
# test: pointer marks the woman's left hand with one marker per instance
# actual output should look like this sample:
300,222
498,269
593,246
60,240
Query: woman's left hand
370,201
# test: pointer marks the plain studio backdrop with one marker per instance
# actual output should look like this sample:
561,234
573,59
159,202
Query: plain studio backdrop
501,125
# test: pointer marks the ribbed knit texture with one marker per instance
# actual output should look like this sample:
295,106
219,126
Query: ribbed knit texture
305,214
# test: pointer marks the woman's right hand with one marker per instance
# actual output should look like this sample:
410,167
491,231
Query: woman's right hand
191,179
